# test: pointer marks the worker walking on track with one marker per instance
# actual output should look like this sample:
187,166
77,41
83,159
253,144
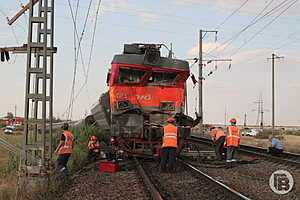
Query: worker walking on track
65,147
169,146
232,142
218,137
94,148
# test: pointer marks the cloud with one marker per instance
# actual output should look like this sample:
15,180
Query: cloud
250,56
207,47
250,8
130,9
149,17
294,85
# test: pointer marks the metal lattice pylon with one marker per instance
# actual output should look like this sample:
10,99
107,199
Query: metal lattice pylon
39,90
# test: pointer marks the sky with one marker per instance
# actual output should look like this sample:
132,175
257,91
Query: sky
248,33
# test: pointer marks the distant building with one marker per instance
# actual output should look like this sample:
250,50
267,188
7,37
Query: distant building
16,121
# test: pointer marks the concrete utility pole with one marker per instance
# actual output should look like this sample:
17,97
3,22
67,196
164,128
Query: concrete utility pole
274,56
245,120
37,148
200,60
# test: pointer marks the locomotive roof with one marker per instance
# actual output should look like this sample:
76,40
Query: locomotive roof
163,62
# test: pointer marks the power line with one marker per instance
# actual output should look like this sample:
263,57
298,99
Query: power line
77,50
92,48
254,21
229,16
74,18
74,97
264,27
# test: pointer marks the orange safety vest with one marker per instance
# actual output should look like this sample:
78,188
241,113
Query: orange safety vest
216,133
94,146
68,145
233,136
170,136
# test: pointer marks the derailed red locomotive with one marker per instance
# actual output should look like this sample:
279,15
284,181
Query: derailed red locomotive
144,90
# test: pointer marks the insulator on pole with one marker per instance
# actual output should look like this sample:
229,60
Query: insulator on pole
7,55
2,56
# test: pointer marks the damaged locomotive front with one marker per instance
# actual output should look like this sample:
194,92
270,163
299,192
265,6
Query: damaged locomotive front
144,90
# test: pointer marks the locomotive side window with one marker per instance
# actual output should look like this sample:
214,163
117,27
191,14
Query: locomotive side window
162,78
130,75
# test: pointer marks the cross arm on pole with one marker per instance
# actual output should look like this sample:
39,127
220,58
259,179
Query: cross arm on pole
23,49
275,57
21,12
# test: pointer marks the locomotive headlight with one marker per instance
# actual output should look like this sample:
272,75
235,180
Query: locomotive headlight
167,105
122,105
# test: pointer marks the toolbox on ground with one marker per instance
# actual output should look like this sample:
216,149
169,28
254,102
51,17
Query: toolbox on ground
108,166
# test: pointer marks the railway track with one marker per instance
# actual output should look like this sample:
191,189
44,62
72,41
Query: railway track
251,179
285,158
187,182
151,188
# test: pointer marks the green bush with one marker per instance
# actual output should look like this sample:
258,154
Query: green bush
11,167
82,135
2,124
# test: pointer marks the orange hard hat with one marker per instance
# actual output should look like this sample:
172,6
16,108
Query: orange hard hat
233,120
212,127
93,137
171,119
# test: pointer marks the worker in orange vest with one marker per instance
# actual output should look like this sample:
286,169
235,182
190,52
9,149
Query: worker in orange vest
169,146
232,142
94,148
65,147
218,137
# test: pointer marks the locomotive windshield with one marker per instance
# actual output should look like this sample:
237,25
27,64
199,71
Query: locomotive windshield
130,75
162,78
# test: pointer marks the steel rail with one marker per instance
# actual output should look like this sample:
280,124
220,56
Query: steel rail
152,189
294,158
231,192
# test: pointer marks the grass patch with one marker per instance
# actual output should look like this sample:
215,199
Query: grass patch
265,134
82,135
288,132
2,124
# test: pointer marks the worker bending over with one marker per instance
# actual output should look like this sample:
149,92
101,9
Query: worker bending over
94,148
232,142
276,147
169,146
65,147
218,137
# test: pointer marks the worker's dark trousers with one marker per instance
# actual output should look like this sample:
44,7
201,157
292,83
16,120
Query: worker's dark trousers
275,152
219,147
230,153
62,160
168,158
92,156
